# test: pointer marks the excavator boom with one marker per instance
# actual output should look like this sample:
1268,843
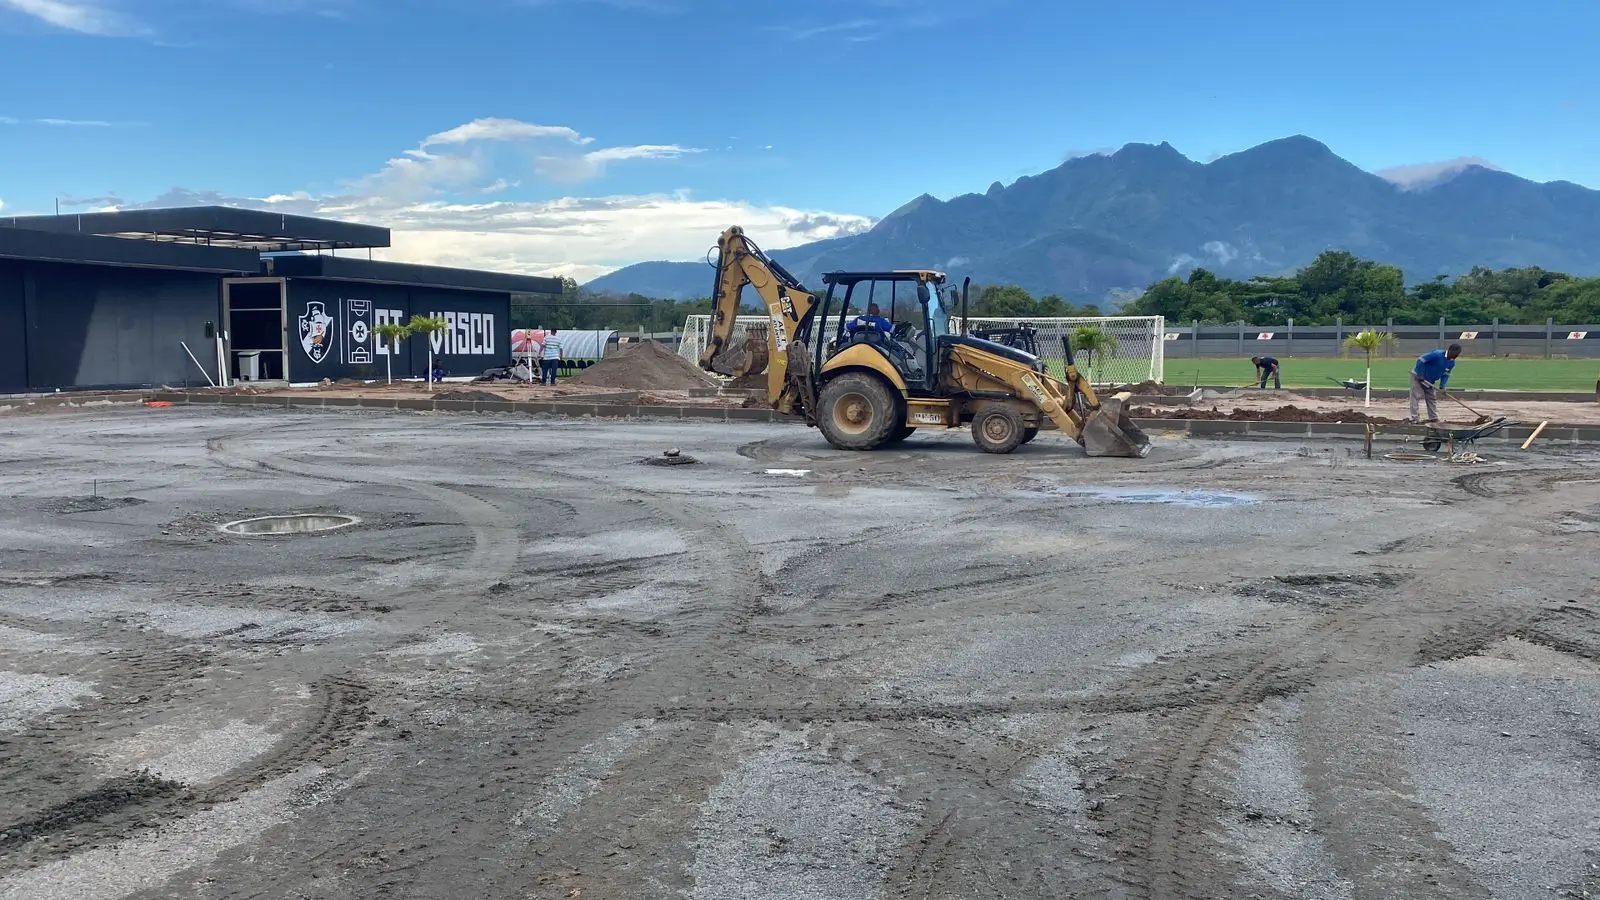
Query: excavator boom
789,306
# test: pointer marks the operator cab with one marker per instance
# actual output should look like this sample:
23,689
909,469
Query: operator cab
911,320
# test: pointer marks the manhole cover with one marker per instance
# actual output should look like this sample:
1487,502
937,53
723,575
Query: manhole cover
301,523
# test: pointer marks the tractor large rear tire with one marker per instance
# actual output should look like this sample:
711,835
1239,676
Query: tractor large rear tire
858,412
900,434
1029,435
998,429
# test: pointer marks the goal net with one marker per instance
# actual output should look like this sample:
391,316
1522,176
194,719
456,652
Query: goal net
1135,351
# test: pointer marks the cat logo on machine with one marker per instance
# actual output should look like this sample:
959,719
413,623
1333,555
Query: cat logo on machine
780,331
316,332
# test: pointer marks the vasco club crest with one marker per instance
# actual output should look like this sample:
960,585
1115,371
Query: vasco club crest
316,331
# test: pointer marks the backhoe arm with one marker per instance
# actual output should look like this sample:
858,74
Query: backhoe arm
789,305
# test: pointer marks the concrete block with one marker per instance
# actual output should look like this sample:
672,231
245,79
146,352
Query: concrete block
1279,428
452,405
495,406
704,412
533,408
375,402
615,410
1211,427
215,398
309,401
418,403
341,401
752,415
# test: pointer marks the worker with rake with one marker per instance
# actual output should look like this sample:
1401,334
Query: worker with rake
1267,365
1431,373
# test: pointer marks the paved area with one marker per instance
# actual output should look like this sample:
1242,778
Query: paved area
537,667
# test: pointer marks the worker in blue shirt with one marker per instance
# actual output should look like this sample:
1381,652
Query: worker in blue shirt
1431,371
870,319
1267,365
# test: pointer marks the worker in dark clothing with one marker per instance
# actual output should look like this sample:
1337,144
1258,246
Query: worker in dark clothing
871,319
1431,371
1267,365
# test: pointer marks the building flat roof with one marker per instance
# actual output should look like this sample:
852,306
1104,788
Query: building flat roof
21,243
344,268
216,226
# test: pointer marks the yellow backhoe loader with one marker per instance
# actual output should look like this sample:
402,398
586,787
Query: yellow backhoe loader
870,381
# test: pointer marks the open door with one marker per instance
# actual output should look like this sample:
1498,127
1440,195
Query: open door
255,311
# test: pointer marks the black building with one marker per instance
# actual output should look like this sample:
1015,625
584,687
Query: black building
148,297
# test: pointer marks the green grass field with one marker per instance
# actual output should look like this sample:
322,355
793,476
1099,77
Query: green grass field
1469,374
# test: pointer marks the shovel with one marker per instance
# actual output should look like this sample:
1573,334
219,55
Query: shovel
1481,417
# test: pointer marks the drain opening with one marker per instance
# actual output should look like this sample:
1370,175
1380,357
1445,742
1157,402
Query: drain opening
303,523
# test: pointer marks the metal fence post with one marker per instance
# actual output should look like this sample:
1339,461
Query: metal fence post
1241,338
1194,337
1441,331
1390,327
1494,346
1338,334
1289,350
1549,328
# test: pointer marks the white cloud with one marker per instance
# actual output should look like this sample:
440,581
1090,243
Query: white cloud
82,16
1421,175
446,204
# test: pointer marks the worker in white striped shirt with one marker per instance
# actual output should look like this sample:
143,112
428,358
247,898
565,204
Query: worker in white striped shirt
549,357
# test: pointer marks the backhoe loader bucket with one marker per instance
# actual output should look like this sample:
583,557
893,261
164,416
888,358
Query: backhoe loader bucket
748,358
1108,431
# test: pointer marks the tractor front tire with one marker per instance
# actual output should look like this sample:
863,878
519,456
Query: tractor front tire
858,412
998,429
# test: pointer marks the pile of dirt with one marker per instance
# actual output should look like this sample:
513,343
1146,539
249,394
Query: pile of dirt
757,381
643,366
466,395
1290,413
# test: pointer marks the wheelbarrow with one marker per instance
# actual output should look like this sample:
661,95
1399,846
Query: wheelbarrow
1347,384
1439,434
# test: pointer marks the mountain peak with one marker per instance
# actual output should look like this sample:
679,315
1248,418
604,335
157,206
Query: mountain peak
1296,148
1148,151
1421,176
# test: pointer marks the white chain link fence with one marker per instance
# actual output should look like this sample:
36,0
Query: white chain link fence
1139,353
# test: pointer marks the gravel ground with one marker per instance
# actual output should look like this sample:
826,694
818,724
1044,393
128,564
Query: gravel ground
539,669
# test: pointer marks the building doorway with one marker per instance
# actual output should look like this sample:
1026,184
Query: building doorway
257,328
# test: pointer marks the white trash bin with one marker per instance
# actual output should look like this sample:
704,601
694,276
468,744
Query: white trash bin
249,364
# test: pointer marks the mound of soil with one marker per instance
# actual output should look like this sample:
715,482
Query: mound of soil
758,381
466,395
644,366
1290,413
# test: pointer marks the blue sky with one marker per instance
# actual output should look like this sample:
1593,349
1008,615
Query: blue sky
574,136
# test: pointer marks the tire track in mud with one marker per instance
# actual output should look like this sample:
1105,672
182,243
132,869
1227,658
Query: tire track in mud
496,541
1163,825
124,805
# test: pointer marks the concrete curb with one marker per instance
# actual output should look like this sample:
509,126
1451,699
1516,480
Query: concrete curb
1197,428
1388,394
64,399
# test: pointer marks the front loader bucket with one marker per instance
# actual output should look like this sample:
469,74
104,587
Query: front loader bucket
1108,431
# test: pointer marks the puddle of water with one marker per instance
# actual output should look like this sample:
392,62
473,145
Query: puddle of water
1199,499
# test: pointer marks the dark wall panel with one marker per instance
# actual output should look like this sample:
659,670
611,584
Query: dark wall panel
330,330
93,326
479,336
13,336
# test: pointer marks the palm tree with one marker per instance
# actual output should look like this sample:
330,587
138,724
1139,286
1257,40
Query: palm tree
1368,342
1094,342
429,326
391,333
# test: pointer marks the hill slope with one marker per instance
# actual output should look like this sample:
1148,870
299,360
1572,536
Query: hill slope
1099,224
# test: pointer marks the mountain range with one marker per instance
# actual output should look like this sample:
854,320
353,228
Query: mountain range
1108,225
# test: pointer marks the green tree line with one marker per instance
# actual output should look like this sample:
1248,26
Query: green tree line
1340,285
578,309
1337,285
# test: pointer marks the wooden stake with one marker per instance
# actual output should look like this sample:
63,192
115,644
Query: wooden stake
1535,434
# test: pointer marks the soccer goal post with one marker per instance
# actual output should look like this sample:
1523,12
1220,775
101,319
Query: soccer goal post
1134,348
